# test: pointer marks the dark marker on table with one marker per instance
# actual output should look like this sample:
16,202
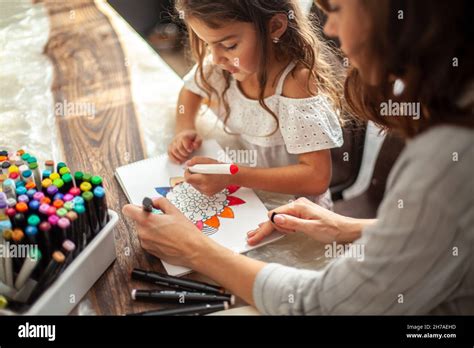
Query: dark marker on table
175,282
200,309
180,297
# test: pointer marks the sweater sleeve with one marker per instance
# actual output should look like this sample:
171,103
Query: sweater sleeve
409,262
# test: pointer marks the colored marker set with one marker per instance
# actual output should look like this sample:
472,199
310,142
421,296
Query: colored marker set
192,297
47,218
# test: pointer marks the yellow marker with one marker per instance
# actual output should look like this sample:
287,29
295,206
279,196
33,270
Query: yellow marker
85,186
54,176
64,170
46,183
13,169
3,302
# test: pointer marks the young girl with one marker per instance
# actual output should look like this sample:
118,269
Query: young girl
271,80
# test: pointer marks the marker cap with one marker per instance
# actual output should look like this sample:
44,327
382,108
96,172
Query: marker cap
96,180
33,220
86,186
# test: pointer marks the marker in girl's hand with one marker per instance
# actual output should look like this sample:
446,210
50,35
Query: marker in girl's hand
221,168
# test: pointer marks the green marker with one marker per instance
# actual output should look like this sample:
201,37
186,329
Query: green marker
64,170
33,220
69,206
96,181
68,183
60,165
88,197
25,157
78,178
59,183
87,177
61,212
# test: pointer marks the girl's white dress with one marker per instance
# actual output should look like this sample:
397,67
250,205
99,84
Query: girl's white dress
304,125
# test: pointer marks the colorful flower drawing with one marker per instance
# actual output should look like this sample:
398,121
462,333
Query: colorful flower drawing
204,211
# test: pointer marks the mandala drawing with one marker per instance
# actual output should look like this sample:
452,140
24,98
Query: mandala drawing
202,210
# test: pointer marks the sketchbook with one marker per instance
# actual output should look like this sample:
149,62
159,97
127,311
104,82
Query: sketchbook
225,217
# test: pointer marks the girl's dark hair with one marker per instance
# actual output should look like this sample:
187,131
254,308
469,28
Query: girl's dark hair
429,46
300,43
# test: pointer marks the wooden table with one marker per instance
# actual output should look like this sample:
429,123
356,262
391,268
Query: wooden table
91,67
99,59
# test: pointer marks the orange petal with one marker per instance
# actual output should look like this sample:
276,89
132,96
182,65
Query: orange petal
227,213
213,222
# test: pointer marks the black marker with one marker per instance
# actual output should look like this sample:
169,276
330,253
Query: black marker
273,217
180,297
175,282
147,204
48,276
187,310
100,203
91,213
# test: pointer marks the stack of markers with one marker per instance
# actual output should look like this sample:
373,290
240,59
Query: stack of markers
51,213
191,296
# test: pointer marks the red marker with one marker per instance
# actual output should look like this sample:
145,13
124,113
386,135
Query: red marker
221,168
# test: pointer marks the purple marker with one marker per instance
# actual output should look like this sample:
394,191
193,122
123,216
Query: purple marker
43,209
52,190
68,197
53,219
23,199
55,231
3,203
68,249
63,224
38,196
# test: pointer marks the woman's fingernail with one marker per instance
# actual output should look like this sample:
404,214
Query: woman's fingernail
278,219
187,163
251,233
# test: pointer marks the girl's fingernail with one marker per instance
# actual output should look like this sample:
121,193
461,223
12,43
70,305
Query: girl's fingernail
251,233
278,219
187,163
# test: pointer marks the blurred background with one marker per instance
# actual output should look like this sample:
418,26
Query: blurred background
155,21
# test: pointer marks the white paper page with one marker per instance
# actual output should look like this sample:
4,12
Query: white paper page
141,179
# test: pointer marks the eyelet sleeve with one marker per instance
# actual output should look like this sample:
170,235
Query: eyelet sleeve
309,124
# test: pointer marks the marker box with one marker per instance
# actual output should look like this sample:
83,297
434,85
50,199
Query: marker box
76,280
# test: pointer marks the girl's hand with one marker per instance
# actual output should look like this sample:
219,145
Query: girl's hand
208,184
171,236
305,216
183,144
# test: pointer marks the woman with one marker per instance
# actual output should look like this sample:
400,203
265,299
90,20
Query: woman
418,254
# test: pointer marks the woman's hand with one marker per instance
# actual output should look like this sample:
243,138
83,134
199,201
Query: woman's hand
171,236
305,216
183,144
175,239
207,184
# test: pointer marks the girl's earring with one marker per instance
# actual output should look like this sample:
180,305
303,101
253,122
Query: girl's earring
398,87
276,40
